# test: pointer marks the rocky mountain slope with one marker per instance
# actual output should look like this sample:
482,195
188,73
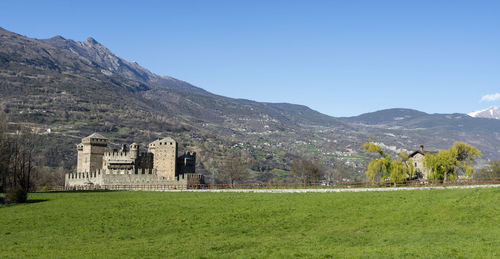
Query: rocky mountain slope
110,64
75,88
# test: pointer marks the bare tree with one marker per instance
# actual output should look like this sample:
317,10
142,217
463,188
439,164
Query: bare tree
17,155
234,170
341,173
306,172
4,154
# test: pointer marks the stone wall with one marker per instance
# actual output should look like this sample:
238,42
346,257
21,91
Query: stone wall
128,178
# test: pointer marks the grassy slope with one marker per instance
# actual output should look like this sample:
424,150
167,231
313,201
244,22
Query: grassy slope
431,223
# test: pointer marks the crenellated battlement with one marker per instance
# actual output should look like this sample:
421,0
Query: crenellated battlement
116,154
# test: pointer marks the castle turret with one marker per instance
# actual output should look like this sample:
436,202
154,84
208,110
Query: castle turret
134,150
91,152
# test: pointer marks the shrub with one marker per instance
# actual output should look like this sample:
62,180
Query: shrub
16,195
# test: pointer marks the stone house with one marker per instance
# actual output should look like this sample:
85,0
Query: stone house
417,158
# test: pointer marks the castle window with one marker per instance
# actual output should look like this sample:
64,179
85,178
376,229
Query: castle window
170,143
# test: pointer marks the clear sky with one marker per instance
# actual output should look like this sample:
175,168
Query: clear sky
341,58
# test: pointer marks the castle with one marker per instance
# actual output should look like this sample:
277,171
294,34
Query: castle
128,167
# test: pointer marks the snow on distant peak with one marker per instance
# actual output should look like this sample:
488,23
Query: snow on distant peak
490,113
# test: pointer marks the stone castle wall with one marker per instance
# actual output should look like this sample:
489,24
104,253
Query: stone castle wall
127,177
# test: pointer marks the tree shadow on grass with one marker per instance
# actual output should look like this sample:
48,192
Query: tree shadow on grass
35,200
29,201
80,191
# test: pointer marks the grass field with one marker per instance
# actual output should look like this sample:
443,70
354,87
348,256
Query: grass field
428,223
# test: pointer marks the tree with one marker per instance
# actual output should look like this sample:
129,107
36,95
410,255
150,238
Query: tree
20,170
234,169
451,162
306,172
4,154
341,173
385,168
17,156
408,162
492,170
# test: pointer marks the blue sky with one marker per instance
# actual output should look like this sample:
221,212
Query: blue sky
341,58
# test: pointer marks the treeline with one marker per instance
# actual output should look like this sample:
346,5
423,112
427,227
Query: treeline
237,169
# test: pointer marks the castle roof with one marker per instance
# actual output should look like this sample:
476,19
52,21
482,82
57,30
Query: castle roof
167,139
95,135
422,153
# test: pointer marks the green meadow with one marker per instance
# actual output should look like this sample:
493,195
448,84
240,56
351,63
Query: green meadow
135,224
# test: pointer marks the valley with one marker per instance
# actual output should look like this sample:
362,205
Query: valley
66,90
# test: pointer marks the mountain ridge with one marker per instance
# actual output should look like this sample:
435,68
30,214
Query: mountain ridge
95,52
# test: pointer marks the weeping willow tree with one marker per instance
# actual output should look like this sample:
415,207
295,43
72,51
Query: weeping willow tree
447,164
385,168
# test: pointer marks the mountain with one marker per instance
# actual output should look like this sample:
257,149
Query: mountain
490,113
400,127
76,88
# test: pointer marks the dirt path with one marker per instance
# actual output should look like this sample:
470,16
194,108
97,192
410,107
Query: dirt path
387,189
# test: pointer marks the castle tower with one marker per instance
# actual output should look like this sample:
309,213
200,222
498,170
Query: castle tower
134,150
186,163
91,152
164,157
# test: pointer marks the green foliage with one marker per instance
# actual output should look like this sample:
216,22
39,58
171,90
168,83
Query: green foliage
447,164
386,168
398,171
378,169
374,148
404,224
